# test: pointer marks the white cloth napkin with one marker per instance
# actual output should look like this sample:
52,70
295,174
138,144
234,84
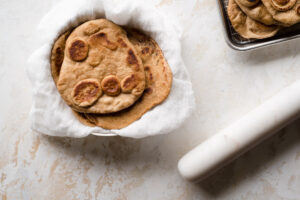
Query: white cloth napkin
50,114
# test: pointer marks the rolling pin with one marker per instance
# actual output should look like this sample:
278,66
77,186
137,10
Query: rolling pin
225,146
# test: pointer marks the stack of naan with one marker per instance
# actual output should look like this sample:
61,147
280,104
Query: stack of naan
259,19
109,75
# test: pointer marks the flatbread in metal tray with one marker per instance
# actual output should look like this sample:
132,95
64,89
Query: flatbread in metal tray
247,27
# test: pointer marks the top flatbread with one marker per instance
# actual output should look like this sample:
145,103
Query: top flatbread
101,72
247,27
158,85
287,12
257,12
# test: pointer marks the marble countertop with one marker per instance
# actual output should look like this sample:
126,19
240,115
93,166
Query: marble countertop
227,85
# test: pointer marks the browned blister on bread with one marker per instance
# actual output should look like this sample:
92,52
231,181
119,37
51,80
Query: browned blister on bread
129,83
111,85
78,50
86,92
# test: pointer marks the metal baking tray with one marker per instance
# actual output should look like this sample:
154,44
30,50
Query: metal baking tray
235,41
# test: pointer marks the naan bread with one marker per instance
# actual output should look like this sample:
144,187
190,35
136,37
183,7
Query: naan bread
247,27
287,12
101,72
257,12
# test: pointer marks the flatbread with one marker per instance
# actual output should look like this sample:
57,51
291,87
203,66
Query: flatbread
257,12
158,85
101,72
287,12
247,27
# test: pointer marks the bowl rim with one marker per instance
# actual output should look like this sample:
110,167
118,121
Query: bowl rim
104,134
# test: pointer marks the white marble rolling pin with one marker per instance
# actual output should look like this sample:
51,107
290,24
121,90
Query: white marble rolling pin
228,144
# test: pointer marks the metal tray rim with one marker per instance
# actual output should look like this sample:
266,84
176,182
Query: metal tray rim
249,46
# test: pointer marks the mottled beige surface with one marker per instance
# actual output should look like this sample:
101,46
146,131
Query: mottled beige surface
227,85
